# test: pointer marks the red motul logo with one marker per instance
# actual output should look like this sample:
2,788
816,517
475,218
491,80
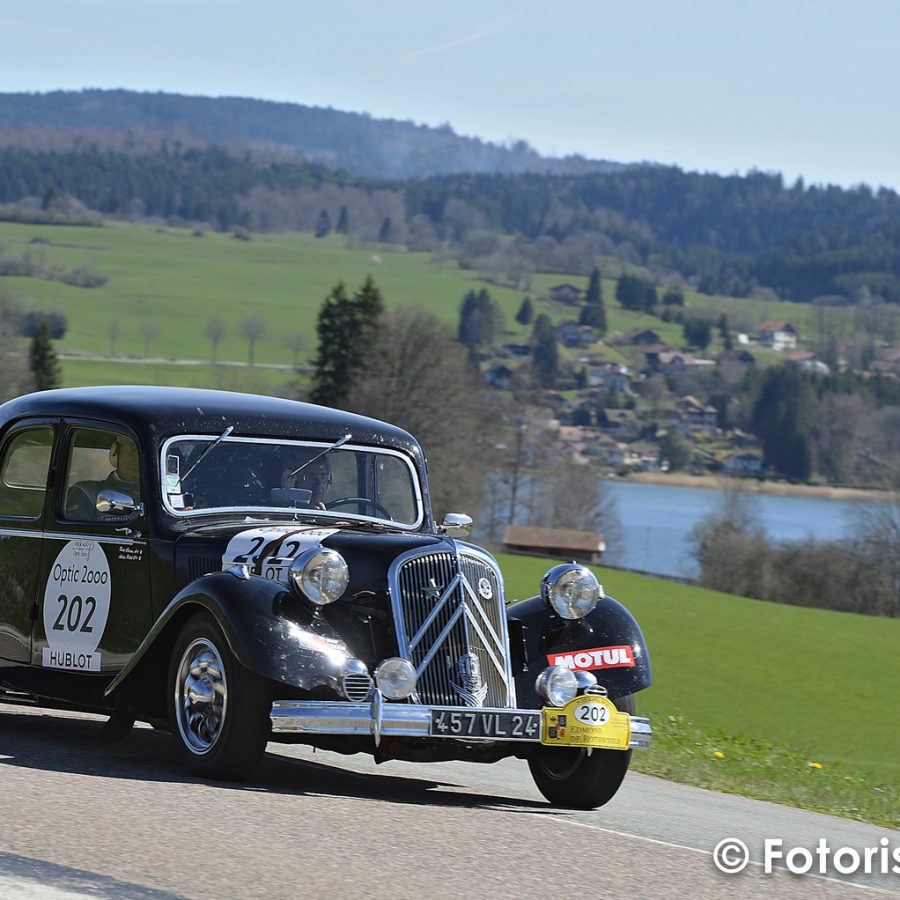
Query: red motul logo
598,658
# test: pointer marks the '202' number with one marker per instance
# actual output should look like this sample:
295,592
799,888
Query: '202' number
70,614
592,714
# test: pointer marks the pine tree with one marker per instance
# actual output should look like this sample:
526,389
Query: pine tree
343,222
345,326
42,359
545,353
384,233
480,320
595,288
525,315
323,224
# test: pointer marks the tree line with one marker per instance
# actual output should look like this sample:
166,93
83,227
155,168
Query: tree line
725,234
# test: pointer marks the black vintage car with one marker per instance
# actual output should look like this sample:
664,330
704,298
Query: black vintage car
242,569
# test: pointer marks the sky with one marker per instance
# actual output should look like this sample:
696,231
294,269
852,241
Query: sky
807,88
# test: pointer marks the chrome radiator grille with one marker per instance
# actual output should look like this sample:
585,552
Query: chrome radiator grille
451,625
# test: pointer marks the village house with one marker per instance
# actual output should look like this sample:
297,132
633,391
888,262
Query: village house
778,335
566,293
610,377
692,416
641,337
746,465
669,362
622,423
571,334
500,378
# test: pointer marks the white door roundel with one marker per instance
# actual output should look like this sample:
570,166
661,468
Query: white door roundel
76,607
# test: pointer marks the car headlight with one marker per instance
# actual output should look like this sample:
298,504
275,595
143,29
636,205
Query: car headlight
321,575
570,590
396,678
556,685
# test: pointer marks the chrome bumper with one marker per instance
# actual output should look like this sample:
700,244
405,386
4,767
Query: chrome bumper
381,719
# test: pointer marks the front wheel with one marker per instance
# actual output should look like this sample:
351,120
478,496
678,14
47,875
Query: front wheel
581,779
218,710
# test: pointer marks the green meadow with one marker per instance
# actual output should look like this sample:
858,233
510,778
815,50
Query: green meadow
176,281
800,704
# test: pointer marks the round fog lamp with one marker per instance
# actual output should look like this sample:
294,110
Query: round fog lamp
320,574
396,678
570,590
557,685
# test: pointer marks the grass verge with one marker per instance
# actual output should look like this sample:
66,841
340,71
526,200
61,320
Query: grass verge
756,767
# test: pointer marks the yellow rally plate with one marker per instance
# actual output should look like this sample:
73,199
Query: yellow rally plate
586,721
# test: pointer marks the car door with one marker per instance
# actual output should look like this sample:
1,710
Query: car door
25,458
94,594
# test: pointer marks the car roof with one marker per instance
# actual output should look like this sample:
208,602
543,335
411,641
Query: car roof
157,412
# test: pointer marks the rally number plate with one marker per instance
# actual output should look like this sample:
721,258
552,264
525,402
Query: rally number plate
586,721
501,726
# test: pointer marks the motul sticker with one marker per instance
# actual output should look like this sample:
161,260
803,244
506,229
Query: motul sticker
598,658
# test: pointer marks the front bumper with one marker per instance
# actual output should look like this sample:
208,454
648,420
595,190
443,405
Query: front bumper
381,719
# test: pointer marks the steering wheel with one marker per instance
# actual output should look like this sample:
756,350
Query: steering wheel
373,503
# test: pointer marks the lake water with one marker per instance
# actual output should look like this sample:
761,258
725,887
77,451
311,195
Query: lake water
656,520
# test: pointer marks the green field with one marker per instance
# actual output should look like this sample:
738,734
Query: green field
773,687
178,282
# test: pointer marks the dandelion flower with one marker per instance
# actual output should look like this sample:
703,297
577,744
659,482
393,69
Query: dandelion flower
815,765
719,754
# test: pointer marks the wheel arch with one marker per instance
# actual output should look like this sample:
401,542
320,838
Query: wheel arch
260,636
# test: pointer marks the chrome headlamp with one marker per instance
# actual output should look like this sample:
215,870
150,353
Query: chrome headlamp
321,575
396,678
557,685
571,590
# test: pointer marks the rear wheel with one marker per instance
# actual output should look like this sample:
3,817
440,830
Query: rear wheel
218,710
581,779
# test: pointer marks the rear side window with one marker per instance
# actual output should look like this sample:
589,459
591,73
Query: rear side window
23,475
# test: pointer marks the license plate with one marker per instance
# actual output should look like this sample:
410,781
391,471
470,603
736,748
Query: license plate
501,726
586,721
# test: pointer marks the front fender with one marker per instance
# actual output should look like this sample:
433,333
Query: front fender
267,629
607,642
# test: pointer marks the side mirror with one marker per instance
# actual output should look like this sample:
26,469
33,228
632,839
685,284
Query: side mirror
115,503
455,525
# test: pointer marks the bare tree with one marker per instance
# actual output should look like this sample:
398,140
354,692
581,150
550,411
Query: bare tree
149,331
215,330
415,375
254,327
296,342
114,330
15,374
731,547
878,544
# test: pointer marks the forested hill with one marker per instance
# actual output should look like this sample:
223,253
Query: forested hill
373,148
267,166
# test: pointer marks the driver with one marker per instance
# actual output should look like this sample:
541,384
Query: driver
315,477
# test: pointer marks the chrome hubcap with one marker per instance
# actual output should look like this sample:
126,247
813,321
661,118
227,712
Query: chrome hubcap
201,696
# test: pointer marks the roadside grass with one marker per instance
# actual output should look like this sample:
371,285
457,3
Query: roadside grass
772,687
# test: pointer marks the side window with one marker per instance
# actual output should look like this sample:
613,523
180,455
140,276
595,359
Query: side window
100,460
23,478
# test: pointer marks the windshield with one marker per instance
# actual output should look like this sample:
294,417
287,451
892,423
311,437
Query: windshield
250,474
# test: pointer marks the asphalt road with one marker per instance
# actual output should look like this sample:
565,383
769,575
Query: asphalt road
81,818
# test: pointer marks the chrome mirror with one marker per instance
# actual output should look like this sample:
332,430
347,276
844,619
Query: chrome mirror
456,525
115,503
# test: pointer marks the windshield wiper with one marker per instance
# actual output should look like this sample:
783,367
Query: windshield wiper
337,444
205,453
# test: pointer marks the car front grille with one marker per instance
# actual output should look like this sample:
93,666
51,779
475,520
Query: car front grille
451,625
